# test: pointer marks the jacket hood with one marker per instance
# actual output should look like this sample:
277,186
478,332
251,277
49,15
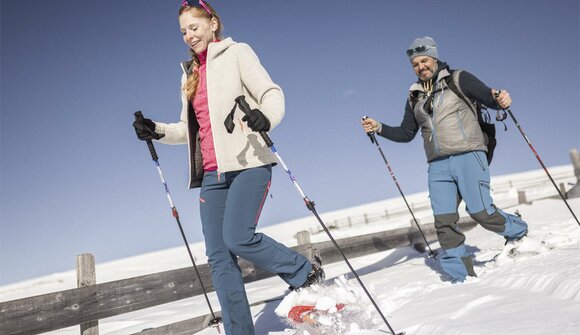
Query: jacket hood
216,48
440,67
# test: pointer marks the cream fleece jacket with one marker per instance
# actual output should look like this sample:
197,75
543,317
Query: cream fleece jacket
232,69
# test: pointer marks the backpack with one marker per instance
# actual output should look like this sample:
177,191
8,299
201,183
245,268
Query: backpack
483,118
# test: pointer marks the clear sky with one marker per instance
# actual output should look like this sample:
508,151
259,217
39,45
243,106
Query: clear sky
75,179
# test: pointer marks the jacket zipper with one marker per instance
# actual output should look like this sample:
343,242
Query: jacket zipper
191,154
433,136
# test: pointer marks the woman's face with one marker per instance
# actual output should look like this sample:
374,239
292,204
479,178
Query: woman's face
198,32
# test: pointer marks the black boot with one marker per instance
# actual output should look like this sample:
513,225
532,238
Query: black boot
315,276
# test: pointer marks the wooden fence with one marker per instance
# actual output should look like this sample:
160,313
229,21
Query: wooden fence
91,302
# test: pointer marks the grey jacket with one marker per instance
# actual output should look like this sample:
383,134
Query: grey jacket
451,127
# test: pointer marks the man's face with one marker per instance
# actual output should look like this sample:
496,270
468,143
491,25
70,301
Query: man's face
424,67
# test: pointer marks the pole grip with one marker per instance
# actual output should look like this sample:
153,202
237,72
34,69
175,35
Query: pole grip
138,117
496,95
371,135
241,101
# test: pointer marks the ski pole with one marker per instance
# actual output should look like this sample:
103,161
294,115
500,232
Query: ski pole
216,320
538,157
241,102
373,139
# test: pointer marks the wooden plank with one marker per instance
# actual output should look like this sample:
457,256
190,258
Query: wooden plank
194,325
185,327
362,245
58,310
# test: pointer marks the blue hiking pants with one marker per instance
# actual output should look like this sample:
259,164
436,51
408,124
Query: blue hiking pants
465,176
230,206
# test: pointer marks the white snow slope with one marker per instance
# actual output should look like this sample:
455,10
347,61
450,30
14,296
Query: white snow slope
536,291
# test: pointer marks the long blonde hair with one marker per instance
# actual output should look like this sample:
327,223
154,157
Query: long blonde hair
190,86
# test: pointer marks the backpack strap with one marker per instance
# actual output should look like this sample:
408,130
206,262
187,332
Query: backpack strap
413,98
451,83
485,124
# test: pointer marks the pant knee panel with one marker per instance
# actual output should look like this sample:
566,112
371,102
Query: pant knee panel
494,222
448,233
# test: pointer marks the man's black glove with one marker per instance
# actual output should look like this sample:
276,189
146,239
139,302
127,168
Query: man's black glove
145,129
257,121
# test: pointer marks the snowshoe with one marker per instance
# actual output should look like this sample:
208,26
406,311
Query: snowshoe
308,313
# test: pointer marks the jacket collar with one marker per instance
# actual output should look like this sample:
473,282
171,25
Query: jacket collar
214,50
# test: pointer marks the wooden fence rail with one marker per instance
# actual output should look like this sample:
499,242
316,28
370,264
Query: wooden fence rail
58,310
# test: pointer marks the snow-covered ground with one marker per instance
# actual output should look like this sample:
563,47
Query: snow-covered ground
535,291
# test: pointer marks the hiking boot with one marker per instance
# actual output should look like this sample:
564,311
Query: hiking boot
516,238
315,276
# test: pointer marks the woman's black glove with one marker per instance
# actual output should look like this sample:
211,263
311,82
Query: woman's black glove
145,129
257,121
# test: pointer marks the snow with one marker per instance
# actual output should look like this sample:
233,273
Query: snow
526,287
534,291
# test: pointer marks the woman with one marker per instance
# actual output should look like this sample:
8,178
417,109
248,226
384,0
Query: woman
234,170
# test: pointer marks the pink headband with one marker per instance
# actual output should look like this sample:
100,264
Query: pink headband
185,3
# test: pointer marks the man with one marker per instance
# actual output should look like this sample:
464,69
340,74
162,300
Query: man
456,151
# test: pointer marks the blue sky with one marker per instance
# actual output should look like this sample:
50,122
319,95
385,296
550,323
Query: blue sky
74,178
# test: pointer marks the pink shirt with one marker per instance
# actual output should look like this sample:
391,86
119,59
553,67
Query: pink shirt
200,105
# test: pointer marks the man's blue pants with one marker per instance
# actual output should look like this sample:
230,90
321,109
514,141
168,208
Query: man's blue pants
465,176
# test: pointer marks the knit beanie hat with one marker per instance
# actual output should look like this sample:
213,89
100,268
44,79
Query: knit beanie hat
423,46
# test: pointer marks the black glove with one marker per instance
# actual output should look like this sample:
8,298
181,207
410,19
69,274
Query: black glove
257,121
145,129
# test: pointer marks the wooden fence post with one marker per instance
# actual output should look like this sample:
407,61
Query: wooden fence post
412,222
562,188
574,192
303,238
86,276
522,197
415,237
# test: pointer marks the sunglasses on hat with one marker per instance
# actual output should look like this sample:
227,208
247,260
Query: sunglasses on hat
419,49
